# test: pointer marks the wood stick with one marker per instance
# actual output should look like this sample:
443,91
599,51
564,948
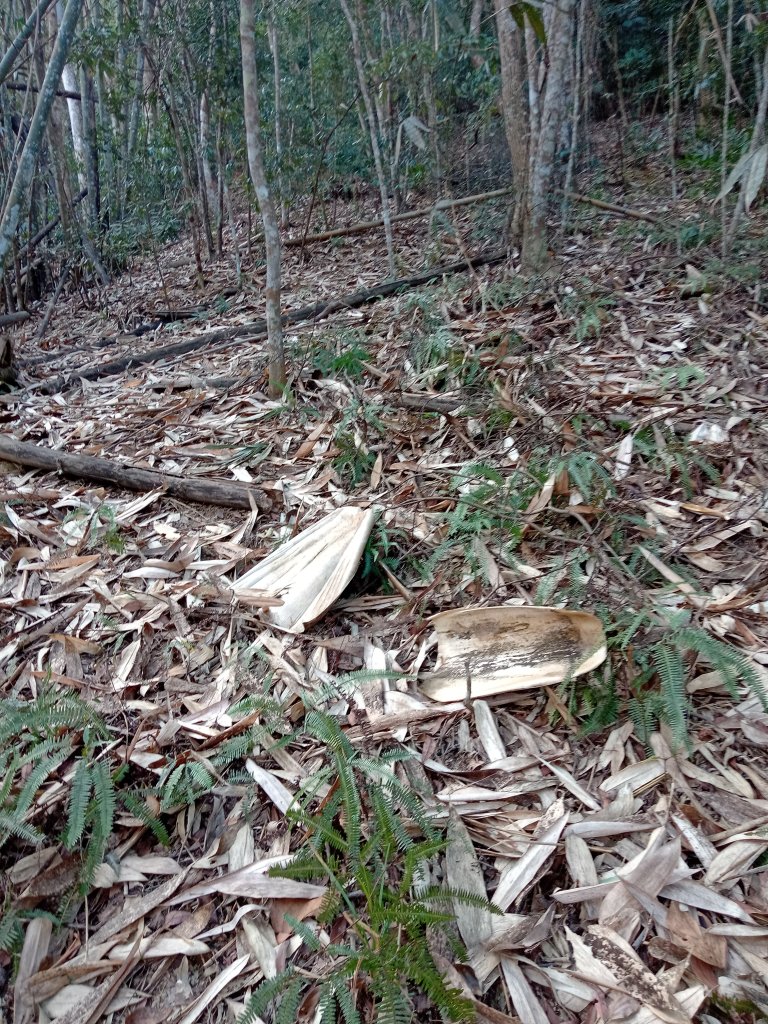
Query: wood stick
228,493
625,211
256,330
370,225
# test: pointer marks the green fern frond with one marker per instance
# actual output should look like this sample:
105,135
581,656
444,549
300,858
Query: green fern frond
284,984
669,665
305,933
12,825
79,795
136,806
47,766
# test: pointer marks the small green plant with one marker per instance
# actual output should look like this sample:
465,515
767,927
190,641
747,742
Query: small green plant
387,548
661,448
652,652
102,526
187,778
488,505
353,461
347,358
587,310
37,739
370,838
681,377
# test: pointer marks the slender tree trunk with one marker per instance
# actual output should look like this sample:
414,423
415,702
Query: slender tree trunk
373,134
578,65
21,182
277,376
725,134
274,45
147,9
69,78
475,25
35,18
552,111
757,136
91,151
512,105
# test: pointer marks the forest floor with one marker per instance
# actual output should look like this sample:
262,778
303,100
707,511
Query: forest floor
590,440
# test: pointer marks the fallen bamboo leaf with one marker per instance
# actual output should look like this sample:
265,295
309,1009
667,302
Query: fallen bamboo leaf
310,571
483,651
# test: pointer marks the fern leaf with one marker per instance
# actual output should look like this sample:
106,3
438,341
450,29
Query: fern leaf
669,665
80,794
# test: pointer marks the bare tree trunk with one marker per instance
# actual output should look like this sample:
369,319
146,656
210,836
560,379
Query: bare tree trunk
373,134
147,9
91,151
277,376
475,25
727,54
274,45
672,122
552,111
757,136
69,78
513,108
37,15
21,182
579,61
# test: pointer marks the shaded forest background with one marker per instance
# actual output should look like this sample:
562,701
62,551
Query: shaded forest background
145,135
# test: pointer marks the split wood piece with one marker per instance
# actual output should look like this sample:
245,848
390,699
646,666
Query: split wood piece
228,493
497,650
624,211
370,225
257,330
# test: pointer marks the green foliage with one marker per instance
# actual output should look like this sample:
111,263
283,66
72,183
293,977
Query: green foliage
353,462
367,836
359,431
188,778
103,530
345,358
652,653
587,309
37,739
678,459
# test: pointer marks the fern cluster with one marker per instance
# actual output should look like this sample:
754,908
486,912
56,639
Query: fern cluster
663,648
187,778
370,839
60,732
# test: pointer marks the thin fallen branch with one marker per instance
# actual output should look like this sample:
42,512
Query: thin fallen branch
40,332
370,225
625,211
228,493
257,330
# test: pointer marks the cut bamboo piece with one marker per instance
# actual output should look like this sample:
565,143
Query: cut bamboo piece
485,651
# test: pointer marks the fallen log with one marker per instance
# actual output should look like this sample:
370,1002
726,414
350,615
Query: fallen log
370,225
14,318
257,329
228,493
